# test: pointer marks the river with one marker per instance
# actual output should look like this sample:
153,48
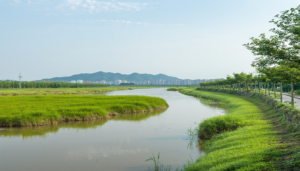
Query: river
118,144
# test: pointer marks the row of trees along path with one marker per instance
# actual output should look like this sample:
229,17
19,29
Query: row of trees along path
265,82
278,56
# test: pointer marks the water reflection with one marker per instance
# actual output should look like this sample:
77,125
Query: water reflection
41,131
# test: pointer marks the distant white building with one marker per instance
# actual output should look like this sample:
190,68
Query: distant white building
103,82
118,82
110,82
79,81
73,81
187,82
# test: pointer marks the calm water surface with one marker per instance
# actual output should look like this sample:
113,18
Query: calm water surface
122,143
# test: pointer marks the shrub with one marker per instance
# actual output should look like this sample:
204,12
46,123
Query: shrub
218,124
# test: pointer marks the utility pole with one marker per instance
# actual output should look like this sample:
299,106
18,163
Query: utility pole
20,80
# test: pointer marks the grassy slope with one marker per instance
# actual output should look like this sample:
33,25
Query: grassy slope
62,91
255,146
32,110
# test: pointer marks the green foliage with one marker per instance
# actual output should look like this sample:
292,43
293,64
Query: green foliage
39,110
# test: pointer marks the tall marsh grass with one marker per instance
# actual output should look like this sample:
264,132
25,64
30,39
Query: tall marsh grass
41,110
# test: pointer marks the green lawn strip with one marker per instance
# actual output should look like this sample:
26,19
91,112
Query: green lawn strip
63,91
244,141
42,110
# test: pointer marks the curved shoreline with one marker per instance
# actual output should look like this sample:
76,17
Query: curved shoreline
252,146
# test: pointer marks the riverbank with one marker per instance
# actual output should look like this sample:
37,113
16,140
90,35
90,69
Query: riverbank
45,110
64,91
249,137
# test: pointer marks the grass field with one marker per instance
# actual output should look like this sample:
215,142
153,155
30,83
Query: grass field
43,110
64,91
241,140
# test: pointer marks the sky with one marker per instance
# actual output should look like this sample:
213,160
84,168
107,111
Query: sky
188,39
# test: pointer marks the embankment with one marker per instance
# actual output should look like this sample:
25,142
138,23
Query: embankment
45,110
249,137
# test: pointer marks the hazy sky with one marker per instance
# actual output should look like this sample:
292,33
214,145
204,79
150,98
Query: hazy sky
193,39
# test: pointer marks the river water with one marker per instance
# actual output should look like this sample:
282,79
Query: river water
119,144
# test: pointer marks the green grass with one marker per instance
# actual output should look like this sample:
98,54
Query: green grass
250,144
41,110
63,91
176,88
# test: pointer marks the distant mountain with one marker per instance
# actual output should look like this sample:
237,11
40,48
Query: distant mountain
108,76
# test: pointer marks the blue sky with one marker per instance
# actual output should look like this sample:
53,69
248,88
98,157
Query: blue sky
183,38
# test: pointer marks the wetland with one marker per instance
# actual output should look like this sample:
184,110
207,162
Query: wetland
120,143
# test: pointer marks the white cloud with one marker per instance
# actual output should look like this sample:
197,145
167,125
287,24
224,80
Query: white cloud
130,22
98,6
87,5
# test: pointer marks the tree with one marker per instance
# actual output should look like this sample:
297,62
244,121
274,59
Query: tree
283,48
240,78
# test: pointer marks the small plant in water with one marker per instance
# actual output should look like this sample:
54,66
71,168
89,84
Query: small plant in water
191,133
192,137
157,166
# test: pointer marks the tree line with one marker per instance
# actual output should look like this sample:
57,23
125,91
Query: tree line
278,58
39,84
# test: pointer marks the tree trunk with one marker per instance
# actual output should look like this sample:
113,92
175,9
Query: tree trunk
265,89
269,89
281,92
274,90
254,86
292,92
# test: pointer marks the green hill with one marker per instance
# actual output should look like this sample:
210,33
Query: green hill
108,76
